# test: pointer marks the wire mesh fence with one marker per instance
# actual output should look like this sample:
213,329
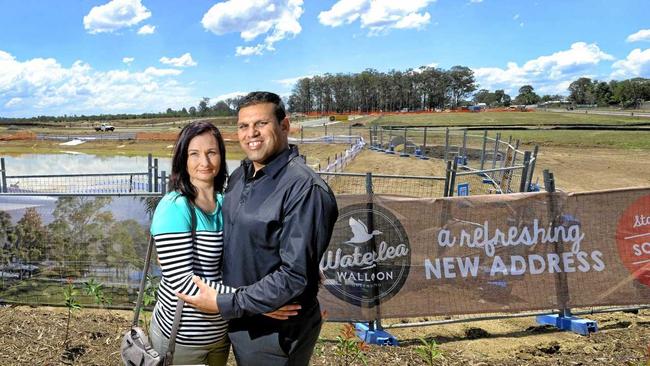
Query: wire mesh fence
99,136
79,183
92,183
497,165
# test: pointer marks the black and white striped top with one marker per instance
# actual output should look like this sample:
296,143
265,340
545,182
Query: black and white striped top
180,259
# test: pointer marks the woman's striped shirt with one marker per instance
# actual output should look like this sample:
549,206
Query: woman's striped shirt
180,259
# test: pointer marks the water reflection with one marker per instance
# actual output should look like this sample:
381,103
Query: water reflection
52,164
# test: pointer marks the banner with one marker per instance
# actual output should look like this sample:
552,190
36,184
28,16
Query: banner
395,256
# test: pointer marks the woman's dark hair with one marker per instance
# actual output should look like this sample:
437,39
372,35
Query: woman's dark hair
180,180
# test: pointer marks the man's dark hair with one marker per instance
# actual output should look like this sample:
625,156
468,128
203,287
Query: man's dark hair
180,180
259,97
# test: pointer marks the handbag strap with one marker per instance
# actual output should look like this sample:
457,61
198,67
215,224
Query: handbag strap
179,304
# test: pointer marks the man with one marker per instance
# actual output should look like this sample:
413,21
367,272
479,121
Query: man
278,220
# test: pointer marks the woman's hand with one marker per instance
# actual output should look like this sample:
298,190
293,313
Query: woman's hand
284,312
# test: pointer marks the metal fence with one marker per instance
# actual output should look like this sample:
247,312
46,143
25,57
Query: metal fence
479,163
99,136
150,180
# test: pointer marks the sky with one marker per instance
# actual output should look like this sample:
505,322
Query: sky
78,57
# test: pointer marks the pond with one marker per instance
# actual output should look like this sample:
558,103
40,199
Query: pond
53,164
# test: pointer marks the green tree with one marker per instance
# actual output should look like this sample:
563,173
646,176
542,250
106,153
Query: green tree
581,91
204,107
7,238
461,83
602,93
32,236
527,95
79,227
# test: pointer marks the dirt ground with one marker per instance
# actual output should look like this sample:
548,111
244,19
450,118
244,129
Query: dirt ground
586,169
590,169
36,336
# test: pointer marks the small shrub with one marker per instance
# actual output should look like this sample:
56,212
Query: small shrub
71,302
349,348
428,351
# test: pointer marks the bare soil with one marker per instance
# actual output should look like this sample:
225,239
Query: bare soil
36,336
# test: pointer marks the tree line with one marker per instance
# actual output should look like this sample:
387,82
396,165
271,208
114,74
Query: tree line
431,88
422,89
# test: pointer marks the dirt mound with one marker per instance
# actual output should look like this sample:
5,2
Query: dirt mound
20,135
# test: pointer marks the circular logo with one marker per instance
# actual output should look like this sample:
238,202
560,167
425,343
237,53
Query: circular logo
368,258
633,239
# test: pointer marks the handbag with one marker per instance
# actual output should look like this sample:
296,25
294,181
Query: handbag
136,349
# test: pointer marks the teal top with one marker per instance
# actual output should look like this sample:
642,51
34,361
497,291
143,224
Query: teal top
180,257
173,215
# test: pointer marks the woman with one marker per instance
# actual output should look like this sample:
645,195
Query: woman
196,183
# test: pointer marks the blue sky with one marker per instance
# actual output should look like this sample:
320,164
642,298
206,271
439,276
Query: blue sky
134,56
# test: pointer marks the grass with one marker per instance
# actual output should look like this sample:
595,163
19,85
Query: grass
506,118
626,140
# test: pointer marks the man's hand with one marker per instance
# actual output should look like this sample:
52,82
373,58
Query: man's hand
205,300
284,312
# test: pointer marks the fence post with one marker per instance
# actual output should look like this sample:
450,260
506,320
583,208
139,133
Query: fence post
369,183
325,124
376,325
381,138
514,154
3,173
524,173
446,142
561,280
349,128
465,142
445,193
531,166
155,174
496,153
149,170
301,134
424,147
163,182
483,150
452,180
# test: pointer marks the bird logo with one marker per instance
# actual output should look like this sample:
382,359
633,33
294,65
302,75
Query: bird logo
360,232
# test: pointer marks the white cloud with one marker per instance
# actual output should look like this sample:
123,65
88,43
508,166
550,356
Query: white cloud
147,29
153,71
289,82
44,86
637,64
475,1
379,15
128,60
642,35
548,74
115,15
183,61
13,101
273,19
249,50
515,17
228,96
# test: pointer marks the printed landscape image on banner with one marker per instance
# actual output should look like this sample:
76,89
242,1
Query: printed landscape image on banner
397,257
50,242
